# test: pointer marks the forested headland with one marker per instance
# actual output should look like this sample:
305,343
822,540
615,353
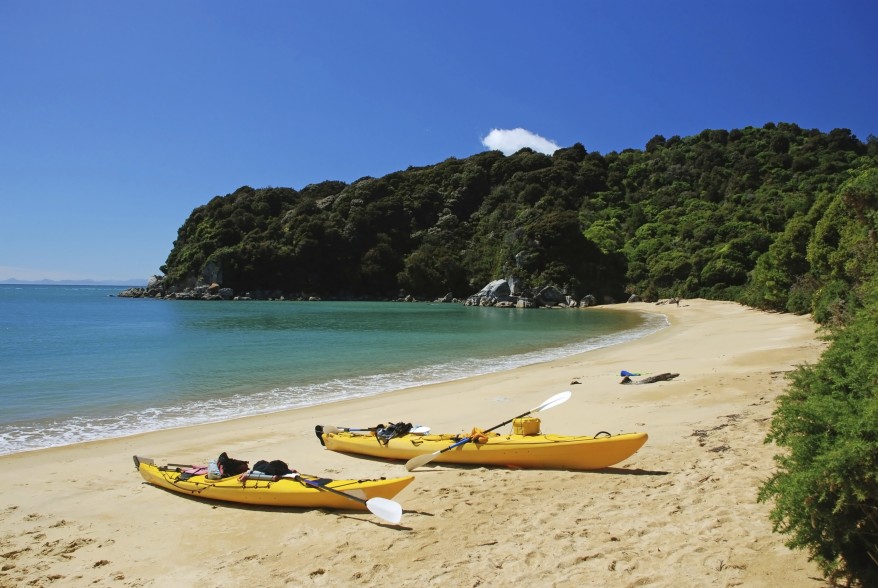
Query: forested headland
776,217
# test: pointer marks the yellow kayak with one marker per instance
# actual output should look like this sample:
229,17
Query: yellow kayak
295,490
541,451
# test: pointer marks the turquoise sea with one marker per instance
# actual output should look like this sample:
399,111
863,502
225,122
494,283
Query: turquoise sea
78,363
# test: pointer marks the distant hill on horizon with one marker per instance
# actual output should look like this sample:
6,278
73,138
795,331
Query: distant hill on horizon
129,282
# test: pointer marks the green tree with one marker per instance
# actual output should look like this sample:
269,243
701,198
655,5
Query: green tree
825,490
780,268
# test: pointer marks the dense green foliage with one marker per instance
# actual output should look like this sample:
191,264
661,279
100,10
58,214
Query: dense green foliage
721,215
779,218
825,490
826,487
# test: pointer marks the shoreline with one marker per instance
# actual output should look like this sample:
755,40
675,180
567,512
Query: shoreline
682,508
282,378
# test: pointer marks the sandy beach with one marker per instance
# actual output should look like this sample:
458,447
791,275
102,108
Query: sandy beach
681,512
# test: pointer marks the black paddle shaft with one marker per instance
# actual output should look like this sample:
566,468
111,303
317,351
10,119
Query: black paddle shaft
469,439
314,484
524,414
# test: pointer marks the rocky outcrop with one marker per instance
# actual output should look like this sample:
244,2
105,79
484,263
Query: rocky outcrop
588,300
212,273
498,292
448,298
155,289
552,296
504,293
512,293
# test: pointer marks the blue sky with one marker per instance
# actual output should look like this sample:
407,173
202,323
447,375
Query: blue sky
117,119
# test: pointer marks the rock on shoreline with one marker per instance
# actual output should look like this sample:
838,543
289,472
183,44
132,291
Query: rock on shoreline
503,293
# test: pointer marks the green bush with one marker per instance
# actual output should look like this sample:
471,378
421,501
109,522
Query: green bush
825,490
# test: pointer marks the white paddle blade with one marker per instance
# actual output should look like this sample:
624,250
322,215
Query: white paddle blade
420,430
388,510
331,429
420,460
554,401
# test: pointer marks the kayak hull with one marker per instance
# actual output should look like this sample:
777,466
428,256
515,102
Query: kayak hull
285,492
525,451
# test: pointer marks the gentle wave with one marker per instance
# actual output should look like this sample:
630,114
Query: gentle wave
56,433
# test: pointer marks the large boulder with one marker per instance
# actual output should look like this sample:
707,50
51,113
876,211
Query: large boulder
551,296
588,300
516,286
446,299
154,283
133,292
491,294
496,289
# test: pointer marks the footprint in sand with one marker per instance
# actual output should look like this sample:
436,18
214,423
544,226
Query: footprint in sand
11,555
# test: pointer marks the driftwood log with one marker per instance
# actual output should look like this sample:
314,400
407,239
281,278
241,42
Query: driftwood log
650,379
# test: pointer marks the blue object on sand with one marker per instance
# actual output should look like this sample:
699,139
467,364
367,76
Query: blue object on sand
627,373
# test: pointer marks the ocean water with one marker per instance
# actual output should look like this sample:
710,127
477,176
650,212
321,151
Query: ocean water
78,363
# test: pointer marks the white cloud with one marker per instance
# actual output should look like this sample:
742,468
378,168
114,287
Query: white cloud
509,141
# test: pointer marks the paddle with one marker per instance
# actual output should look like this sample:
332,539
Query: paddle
419,430
386,509
552,402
